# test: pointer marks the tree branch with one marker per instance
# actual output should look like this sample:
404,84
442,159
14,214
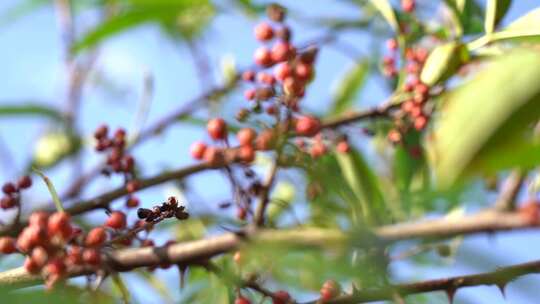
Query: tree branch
200,250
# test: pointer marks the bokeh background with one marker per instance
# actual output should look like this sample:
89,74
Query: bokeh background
33,71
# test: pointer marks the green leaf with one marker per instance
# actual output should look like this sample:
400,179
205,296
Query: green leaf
487,116
121,286
385,8
364,184
467,16
524,29
52,190
182,13
349,87
30,109
443,62
495,11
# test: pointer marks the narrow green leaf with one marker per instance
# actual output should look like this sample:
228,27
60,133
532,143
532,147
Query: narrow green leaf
349,87
526,28
52,190
385,8
119,283
485,115
364,184
442,62
495,11
30,109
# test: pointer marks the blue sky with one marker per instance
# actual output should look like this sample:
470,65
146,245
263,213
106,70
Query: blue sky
31,59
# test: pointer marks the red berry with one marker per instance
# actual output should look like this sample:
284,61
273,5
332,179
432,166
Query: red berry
217,128
197,149
132,202
330,290
246,154
420,122
9,188
391,44
421,54
74,256
282,71
250,94
117,220
263,31
281,297
282,51
246,136
133,186
31,266
242,300
39,256
214,156
24,182
307,126
421,88
343,147
394,136
59,224
293,87
55,267
263,56
303,71
38,219
408,5
318,149
128,162
248,75
96,237
101,132
265,140
7,245
7,202
266,78
91,256
147,243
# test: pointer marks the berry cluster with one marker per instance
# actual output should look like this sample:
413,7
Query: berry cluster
51,244
12,192
167,209
118,160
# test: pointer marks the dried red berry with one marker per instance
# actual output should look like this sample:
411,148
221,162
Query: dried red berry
343,147
214,156
96,237
408,5
330,290
39,256
24,182
197,149
101,132
250,94
38,219
391,44
9,188
117,220
318,149
217,128
55,267
132,202
75,255
303,71
7,202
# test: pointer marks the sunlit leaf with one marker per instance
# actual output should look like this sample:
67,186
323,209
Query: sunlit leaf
385,8
443,62
488,115
495,11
